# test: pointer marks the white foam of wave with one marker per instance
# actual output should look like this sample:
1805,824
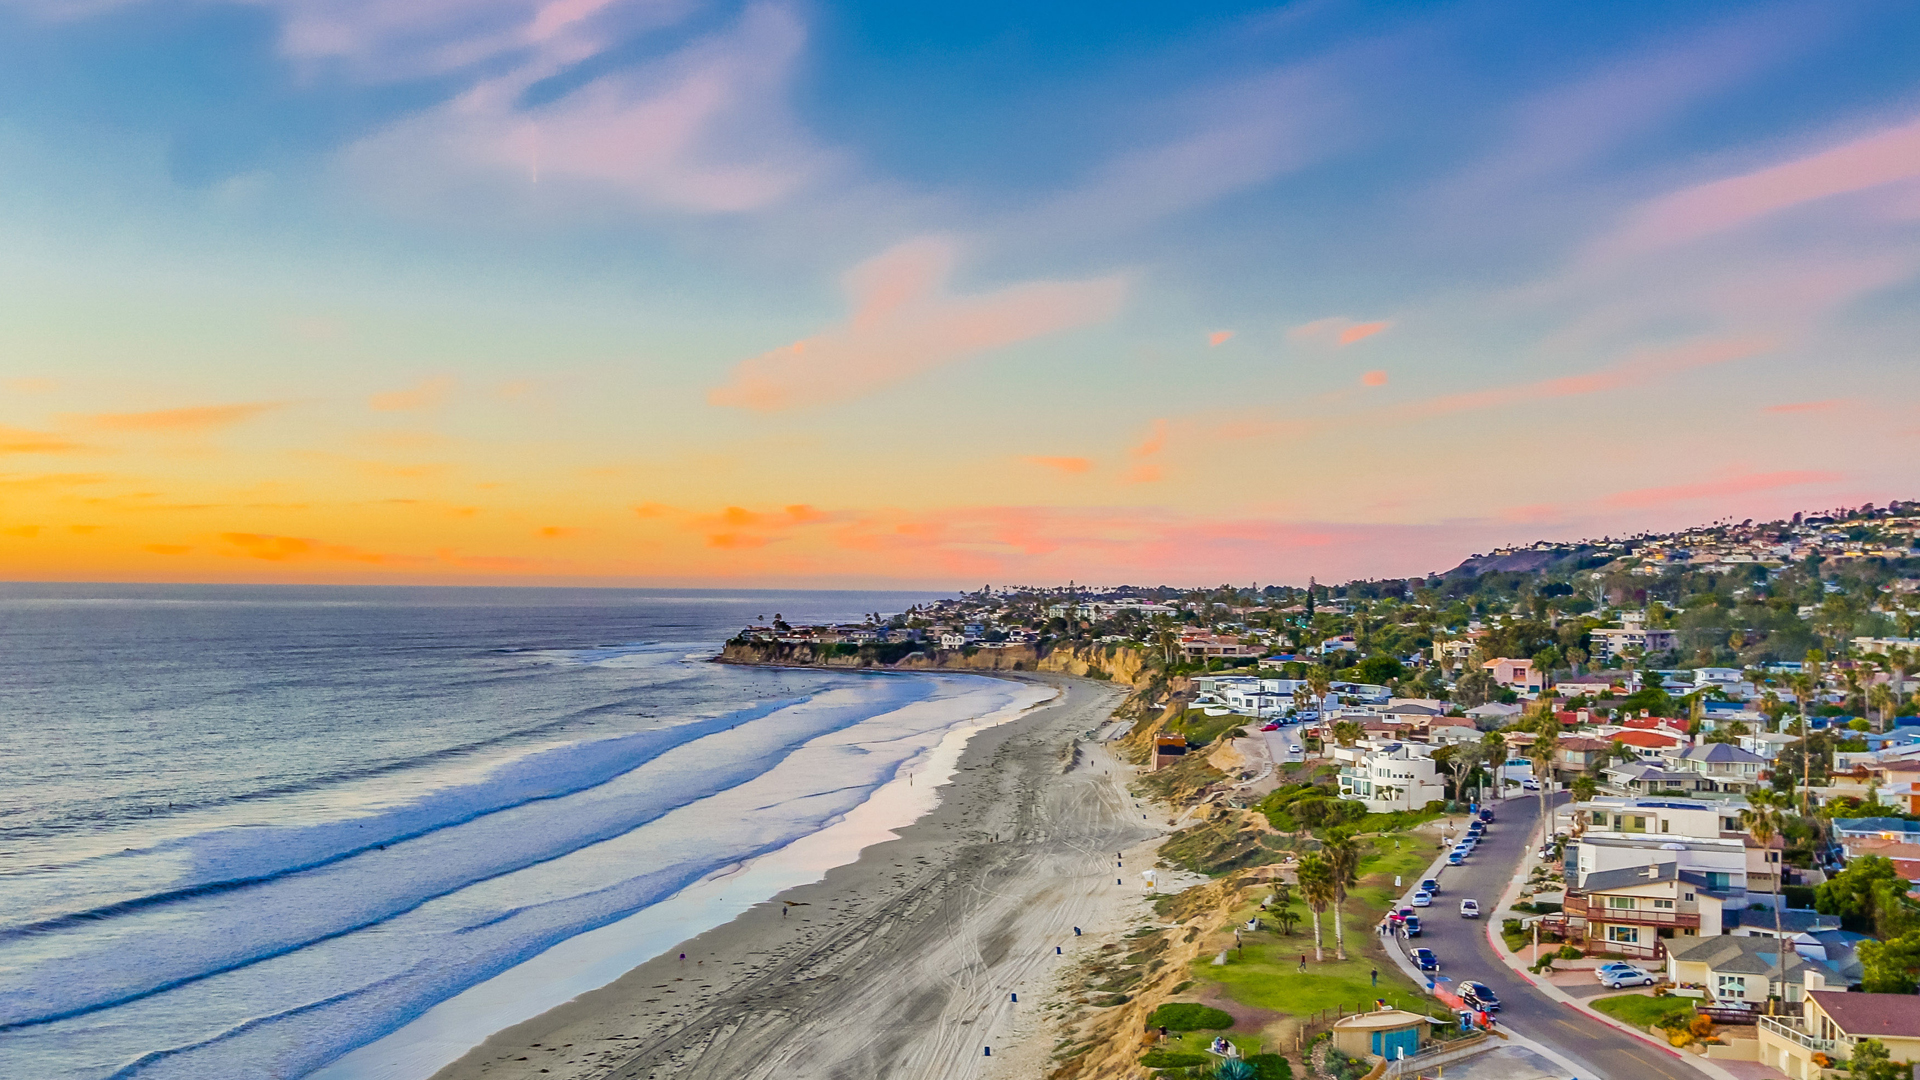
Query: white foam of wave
596,958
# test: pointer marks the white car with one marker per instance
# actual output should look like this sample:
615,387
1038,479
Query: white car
1296,748
1529,785
1469,909
1422,899
1619,977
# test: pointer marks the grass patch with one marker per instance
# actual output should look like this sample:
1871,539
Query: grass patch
1266,975
1189,1016
1642,1011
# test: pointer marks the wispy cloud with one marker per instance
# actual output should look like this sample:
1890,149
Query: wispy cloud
303,549
1340,330
1069,465
1710,489
1219,337
423,395
1642,367
196,418
904,322
17,441
1887,156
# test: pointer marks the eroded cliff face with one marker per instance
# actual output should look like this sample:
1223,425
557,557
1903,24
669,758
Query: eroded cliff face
1125,666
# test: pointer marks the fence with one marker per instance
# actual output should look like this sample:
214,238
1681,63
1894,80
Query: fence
1444,1054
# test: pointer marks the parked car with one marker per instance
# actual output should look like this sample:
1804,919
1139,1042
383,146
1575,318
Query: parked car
1296,748
1271,725
1404,914
1469,909
1486,814
1476,829
1613,965
1410,926
1422,899
1430,886
1529,785
1456,859
1617,978
1480,996
1424,959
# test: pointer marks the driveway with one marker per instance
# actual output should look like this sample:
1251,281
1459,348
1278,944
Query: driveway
1467,955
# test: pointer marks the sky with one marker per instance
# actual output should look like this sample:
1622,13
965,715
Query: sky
679,292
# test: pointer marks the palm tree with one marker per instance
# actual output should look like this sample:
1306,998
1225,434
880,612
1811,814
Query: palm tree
1343,859
1880,699
1494,746
1764,819
1546,741
1320,681
1316,886
1348,732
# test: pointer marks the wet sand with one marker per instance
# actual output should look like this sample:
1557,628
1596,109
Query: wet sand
900,964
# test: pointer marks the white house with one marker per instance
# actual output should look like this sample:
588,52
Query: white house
1399,776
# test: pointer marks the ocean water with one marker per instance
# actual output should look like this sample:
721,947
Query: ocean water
245,831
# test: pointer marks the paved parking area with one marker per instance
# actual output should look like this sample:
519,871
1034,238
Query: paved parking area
1505,1063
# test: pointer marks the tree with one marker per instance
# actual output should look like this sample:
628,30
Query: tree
1880,701
1316,887
1348,732
1870,896
1343,862
1320,681
1870,1061
1764,819
1546,742
1890,967
1494,746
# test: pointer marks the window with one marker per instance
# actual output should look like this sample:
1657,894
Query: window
1731,986
1626,935
1716,880
1664,827
1687,896
1623,902
1665,905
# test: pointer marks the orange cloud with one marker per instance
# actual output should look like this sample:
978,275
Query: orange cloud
425,394
1374,378
1155,441
1828,405
1219,337
1362,331
736,540
1063,464
296,548
199,418
16,441
1642,367
904,322
1338,329
1738,485
27,532
556,532
167,549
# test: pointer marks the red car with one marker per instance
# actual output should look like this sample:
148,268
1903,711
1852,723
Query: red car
1271,725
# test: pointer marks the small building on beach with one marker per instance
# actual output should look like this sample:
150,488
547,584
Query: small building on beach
1386,1033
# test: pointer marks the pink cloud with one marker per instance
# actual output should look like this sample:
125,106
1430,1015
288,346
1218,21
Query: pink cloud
1828,405
1374,378
1737,485
904,322
1881,158
1219,337
1338,329
1072,465
1642,367
1362,332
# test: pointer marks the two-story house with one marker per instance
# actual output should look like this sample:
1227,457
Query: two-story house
1398,776
1728,767
1832,1023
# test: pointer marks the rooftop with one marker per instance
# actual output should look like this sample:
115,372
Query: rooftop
1874,1016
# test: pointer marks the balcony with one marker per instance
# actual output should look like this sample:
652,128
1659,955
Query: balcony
1580,907
1790,1030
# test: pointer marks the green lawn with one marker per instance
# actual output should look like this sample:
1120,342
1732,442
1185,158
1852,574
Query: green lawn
1643,1011
1266,974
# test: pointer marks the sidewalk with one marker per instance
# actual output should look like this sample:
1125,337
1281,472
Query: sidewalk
1518,964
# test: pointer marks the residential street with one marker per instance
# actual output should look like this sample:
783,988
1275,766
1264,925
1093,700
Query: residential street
1466,954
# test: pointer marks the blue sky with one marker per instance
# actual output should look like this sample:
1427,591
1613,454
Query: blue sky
599,290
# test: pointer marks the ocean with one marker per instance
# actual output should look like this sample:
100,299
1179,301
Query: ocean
255,832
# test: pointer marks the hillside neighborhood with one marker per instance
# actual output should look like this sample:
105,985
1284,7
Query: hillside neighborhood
1719,726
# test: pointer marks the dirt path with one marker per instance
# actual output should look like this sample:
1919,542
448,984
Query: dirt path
901,964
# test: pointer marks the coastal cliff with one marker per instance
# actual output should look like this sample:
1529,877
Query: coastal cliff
1120,664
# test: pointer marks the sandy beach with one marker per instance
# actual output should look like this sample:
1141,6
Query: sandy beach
903,963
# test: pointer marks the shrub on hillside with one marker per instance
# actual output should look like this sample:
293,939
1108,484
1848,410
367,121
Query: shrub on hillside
1271,1067
1173,1059
1188,1016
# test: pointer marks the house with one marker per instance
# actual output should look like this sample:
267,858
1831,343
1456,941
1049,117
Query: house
1650,778
1832,1022
1742,972
1727,766
952,639
1450,732
1399,776
1493,712
1592,686
1516,675
1343,643
1605,645
1883,828
1650,745
1765,745
1577,754
1634,909
1209,645
1839,948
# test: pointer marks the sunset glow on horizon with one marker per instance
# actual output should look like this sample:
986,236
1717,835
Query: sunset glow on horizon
771,293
